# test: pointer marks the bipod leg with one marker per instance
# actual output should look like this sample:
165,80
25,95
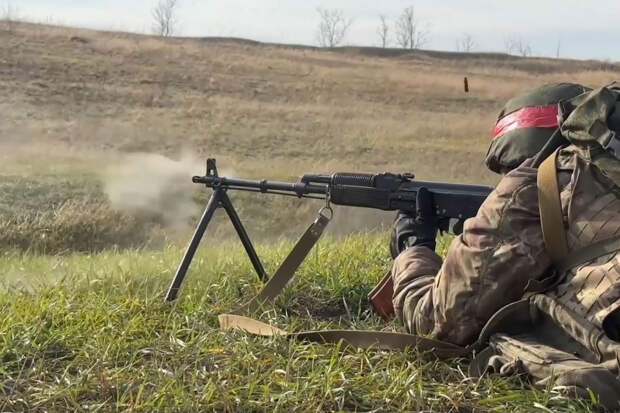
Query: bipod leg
212,205
243,236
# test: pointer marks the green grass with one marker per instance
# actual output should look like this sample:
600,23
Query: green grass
92,332
63,213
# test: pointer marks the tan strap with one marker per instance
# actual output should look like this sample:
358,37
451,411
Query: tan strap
287,269
551,216
381,340
552,221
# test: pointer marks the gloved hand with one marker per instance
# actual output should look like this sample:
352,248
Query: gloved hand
419,230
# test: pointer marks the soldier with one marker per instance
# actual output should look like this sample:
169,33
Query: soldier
530,295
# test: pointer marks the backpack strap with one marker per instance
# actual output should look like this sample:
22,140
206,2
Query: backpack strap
586,254
550,206
552,222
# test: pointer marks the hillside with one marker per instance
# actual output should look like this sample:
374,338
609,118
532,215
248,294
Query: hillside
300,109
78,105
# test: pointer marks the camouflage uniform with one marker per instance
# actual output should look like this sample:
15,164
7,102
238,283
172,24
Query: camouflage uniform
491,263
486,267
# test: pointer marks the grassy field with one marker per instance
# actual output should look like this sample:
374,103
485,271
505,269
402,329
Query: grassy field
93,333
100,134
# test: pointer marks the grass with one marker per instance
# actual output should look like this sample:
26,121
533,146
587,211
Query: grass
91,332
61,213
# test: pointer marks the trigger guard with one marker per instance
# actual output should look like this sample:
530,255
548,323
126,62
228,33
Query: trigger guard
456,226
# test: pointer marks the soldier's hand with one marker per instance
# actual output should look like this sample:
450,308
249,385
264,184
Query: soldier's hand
415,230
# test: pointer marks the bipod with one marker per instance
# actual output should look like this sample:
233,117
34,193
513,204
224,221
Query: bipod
219,199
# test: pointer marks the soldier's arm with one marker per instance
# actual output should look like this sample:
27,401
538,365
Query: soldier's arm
486,267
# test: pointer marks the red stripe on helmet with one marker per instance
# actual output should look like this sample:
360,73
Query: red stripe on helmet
528,117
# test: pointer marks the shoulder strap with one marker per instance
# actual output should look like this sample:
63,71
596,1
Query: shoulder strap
552,223
551,217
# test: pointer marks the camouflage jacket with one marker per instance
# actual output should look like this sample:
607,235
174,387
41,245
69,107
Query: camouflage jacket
486,267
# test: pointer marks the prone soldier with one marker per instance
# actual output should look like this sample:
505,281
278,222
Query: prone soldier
533,282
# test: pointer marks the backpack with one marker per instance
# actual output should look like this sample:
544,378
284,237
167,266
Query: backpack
584,358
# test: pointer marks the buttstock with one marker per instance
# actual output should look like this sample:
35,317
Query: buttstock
381,297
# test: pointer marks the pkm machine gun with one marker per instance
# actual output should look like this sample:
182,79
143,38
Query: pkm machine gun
453,203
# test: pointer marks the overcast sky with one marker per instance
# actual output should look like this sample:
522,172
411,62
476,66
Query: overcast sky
585,29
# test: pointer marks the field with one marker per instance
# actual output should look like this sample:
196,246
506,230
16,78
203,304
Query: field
100,134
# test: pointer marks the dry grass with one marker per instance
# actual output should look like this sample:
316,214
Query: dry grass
74,101
301,108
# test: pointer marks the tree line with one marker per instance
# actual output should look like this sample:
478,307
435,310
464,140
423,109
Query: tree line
406,31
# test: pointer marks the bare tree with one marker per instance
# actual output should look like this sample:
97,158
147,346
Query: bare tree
409,33
8,15
164,18
466,43
516,45
383,31
332,27
557,49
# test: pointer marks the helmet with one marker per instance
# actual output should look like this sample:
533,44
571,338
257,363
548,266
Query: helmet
526,123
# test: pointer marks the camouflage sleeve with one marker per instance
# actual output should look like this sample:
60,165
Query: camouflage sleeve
413,275
486,267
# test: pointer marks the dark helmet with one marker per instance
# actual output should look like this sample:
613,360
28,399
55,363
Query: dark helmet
526,123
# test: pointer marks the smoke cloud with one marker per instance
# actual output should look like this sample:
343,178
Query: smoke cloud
154,186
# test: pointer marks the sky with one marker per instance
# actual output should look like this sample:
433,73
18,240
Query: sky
582,29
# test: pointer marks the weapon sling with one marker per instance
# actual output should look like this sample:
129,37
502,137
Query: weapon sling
356,338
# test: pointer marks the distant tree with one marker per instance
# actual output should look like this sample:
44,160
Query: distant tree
409,33
333,27
557,49
8,15
383,31
164,18
466,43
516,45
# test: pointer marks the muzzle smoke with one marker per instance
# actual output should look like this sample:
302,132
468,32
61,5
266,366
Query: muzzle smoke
154,186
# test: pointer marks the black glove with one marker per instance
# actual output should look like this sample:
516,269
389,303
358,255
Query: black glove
418,230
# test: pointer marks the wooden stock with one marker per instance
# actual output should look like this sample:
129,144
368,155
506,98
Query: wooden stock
381,297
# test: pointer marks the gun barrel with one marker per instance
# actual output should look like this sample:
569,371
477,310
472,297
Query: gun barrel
299,189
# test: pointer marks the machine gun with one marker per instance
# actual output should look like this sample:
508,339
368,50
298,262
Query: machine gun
453,203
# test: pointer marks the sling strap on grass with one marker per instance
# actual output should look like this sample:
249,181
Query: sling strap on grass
356,338
551,216
381,340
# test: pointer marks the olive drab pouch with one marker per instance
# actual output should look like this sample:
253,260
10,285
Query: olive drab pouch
591,122
540,339
526,123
